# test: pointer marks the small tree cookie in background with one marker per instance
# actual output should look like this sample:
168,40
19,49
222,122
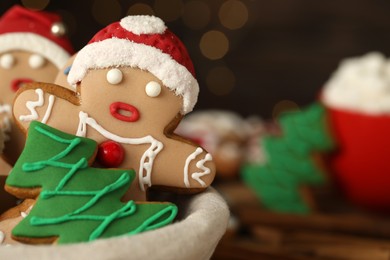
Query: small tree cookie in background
291,161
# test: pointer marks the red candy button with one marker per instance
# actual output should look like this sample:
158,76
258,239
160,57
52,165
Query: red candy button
110,154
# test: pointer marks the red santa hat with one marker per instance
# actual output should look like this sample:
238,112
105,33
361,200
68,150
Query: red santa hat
146,43
35,31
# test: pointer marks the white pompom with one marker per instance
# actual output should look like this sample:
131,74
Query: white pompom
36,61
114,76
143,24
153,89
7,61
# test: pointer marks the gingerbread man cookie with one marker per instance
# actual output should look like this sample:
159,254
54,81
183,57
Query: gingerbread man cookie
134,82
33,47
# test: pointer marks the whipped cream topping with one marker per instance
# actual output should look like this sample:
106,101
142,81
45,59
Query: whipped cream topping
360,84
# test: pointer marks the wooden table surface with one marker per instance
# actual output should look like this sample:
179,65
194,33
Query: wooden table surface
335,230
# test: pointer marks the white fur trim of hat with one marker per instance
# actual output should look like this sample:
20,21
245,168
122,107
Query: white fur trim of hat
34,43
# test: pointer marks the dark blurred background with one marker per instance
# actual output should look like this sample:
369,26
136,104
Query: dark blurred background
255,57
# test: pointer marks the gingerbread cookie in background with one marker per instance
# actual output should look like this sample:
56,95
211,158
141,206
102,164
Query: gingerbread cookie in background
134,82
7,200
357,98
12,217
33,47
225,134
9,218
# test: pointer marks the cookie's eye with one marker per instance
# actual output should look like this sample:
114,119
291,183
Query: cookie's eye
153,89
7,61
36,61
114,76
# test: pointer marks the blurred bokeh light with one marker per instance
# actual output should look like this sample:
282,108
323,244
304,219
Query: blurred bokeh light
214,45
220,81
233,14
35,4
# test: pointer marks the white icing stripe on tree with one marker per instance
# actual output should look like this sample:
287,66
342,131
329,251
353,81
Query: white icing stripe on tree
147,159
200,164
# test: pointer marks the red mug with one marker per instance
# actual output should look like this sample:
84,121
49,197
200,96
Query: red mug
361,163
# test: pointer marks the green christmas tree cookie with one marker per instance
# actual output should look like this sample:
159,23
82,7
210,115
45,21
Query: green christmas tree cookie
76,203
290,163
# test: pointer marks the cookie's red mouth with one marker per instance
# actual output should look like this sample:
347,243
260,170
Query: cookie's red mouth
124,112
17,83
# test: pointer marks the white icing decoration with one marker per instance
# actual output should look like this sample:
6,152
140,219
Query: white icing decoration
24,214
5,109
2,237
7,127
6,124
36,61
32,105
114,76
49,109
143,24
200,164
7,61
147,159
360,84
153,89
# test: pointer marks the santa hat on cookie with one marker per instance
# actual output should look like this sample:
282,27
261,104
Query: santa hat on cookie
146,43
35,31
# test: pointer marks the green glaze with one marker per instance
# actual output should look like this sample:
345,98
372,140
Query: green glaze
290,163
78,203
